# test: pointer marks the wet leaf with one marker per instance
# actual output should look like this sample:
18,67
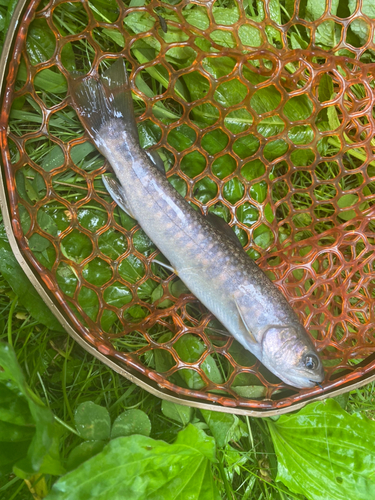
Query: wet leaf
83,452
40,41
190,348
250,391
197,17
139,468
76,246
89,302
28,441
22,287
181,137
225,427
181,413
323,441
131,422
92,421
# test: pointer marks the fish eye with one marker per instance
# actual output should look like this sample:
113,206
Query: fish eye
311,361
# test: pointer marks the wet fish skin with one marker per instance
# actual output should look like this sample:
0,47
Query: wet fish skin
214,268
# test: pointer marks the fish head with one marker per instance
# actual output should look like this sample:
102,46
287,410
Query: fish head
288,352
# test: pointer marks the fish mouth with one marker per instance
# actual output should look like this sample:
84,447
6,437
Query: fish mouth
305,383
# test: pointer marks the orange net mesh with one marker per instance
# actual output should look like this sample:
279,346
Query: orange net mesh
262,115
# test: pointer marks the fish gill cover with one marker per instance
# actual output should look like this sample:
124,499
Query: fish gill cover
262,113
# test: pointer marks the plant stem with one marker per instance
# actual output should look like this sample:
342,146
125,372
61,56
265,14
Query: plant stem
70,429
224,477
10,318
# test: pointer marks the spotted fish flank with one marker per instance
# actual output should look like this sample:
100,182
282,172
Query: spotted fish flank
220,274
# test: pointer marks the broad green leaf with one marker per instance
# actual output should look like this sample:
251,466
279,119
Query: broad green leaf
180,57
11,453
223,38
13,406
225,427
347,200
233,190
218,66
117,295
271,126
89,302
197,17
225,15
193,164
11,7
275,149
50,81
97,272
316,8
140,468
22,287
297,41
92,421
139,22
181,137
215,141
325,453
265,100
66,279
76,246
13,433
28,442
40,42
190,348
298,108
327,33
250,391
224,166
131,422
112,243
263,236
83,452
196,84
367,7
230,93
251,36
238,120
181,413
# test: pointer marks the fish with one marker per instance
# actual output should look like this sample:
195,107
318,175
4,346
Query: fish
203,251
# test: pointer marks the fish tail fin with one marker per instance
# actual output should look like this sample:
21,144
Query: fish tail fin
105,102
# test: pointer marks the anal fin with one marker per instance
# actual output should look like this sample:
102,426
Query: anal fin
117,194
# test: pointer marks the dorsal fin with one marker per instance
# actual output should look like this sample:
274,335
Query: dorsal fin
220,224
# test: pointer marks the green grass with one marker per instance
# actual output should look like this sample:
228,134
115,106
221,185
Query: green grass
60,372
63,375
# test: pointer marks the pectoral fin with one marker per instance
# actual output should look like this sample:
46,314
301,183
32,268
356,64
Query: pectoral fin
166,266
240,312
117,194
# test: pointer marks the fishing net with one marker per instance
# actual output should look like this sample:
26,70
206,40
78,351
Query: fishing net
263,114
